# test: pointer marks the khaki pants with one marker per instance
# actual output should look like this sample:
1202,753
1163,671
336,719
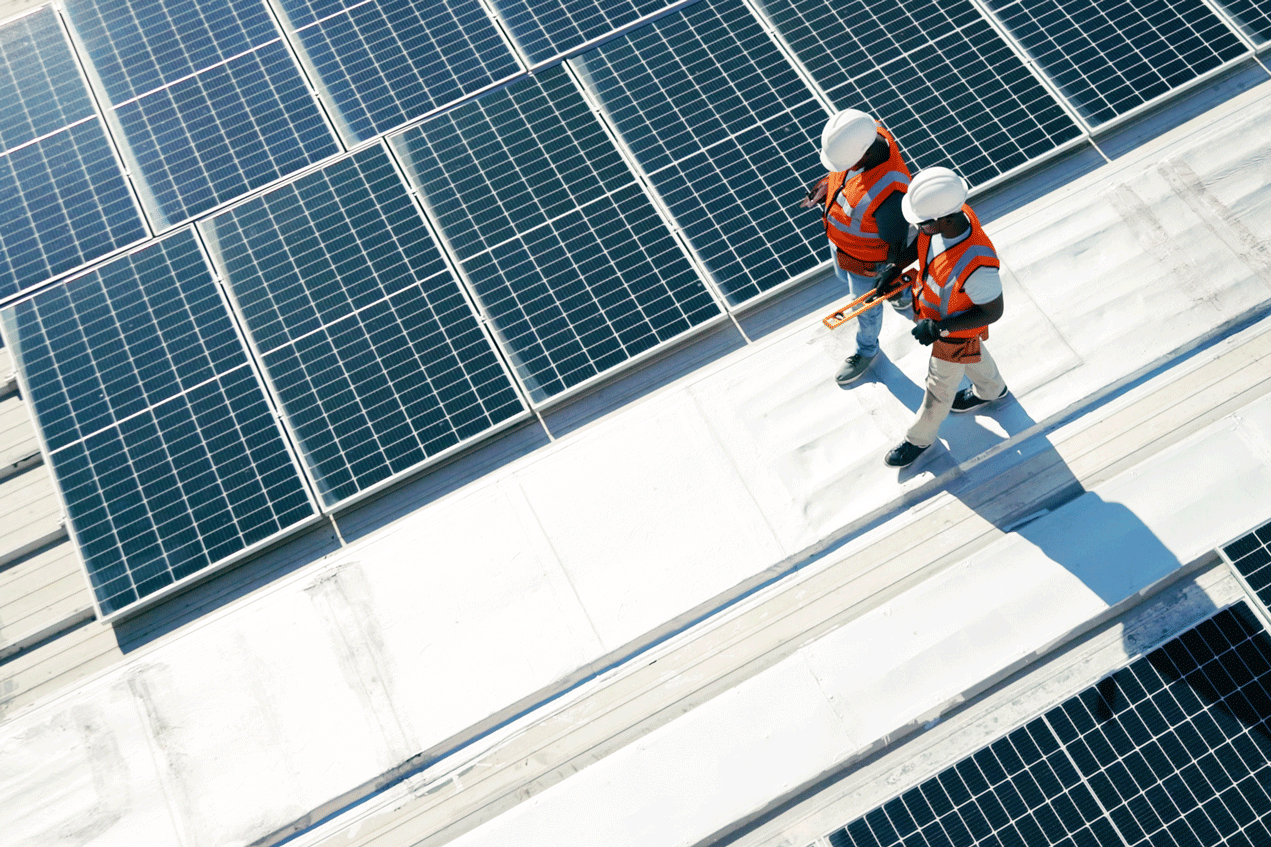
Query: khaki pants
943,378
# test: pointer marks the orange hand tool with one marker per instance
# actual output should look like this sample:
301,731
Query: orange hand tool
861,304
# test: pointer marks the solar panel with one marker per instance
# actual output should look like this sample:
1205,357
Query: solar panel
545,29
935,73
728,134
66,201
1252,16
1110,56
565,251
383,62
1173,749
167,453
377,359
1251,557
208,99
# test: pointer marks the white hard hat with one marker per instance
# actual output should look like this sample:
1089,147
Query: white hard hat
933,193
845,139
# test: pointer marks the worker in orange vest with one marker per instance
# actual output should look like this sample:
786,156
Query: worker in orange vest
957,294
860,207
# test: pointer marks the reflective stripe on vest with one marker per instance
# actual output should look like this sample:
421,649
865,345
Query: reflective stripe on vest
851,203
945,297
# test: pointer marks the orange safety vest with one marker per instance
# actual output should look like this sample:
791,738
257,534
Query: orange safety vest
850,205
940,284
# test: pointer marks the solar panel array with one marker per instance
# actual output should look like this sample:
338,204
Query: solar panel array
935,73
209,100
157,429
1174,749
561,245
377,359
1251,557
557,225
1253,17
1111,56
381,63
545,29
66,201
718,119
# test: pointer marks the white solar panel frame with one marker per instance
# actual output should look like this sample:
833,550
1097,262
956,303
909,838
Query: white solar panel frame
1131,114
218,565
540,404
258,355
979,187
578,73
126,173
348,138
154,215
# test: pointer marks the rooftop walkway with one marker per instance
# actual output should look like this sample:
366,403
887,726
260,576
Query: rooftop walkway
661,621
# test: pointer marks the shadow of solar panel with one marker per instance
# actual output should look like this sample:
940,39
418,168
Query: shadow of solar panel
1110,56
210,102
544,29
67,201
167,454
382,63
936,74
565,251
1173,749
728,134
378,361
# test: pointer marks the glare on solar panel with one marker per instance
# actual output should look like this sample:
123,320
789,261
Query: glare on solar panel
1109,57
567,255
384,62
545,29
208,99
378,361
66,198
935,73
726,131
165,449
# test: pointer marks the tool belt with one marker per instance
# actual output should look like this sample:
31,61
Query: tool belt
965,350
853,265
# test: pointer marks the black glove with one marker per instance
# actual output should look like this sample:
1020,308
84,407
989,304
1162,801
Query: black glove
926,332
885,281
816,193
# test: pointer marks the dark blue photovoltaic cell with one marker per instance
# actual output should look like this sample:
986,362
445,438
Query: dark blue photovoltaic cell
41,88
1174,749
384,62
377,358
1252,16
140,45
210,101
574,267
1251,556
76,206
544,29
167,453
727,132
935,73
66,199
1109,56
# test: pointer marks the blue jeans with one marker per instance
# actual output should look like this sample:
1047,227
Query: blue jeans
869,324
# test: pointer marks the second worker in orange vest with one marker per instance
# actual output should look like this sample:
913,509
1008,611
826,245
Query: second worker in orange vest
860,207
957,294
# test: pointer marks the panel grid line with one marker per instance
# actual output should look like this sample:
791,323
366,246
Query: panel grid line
1170,749
367,342
170,461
